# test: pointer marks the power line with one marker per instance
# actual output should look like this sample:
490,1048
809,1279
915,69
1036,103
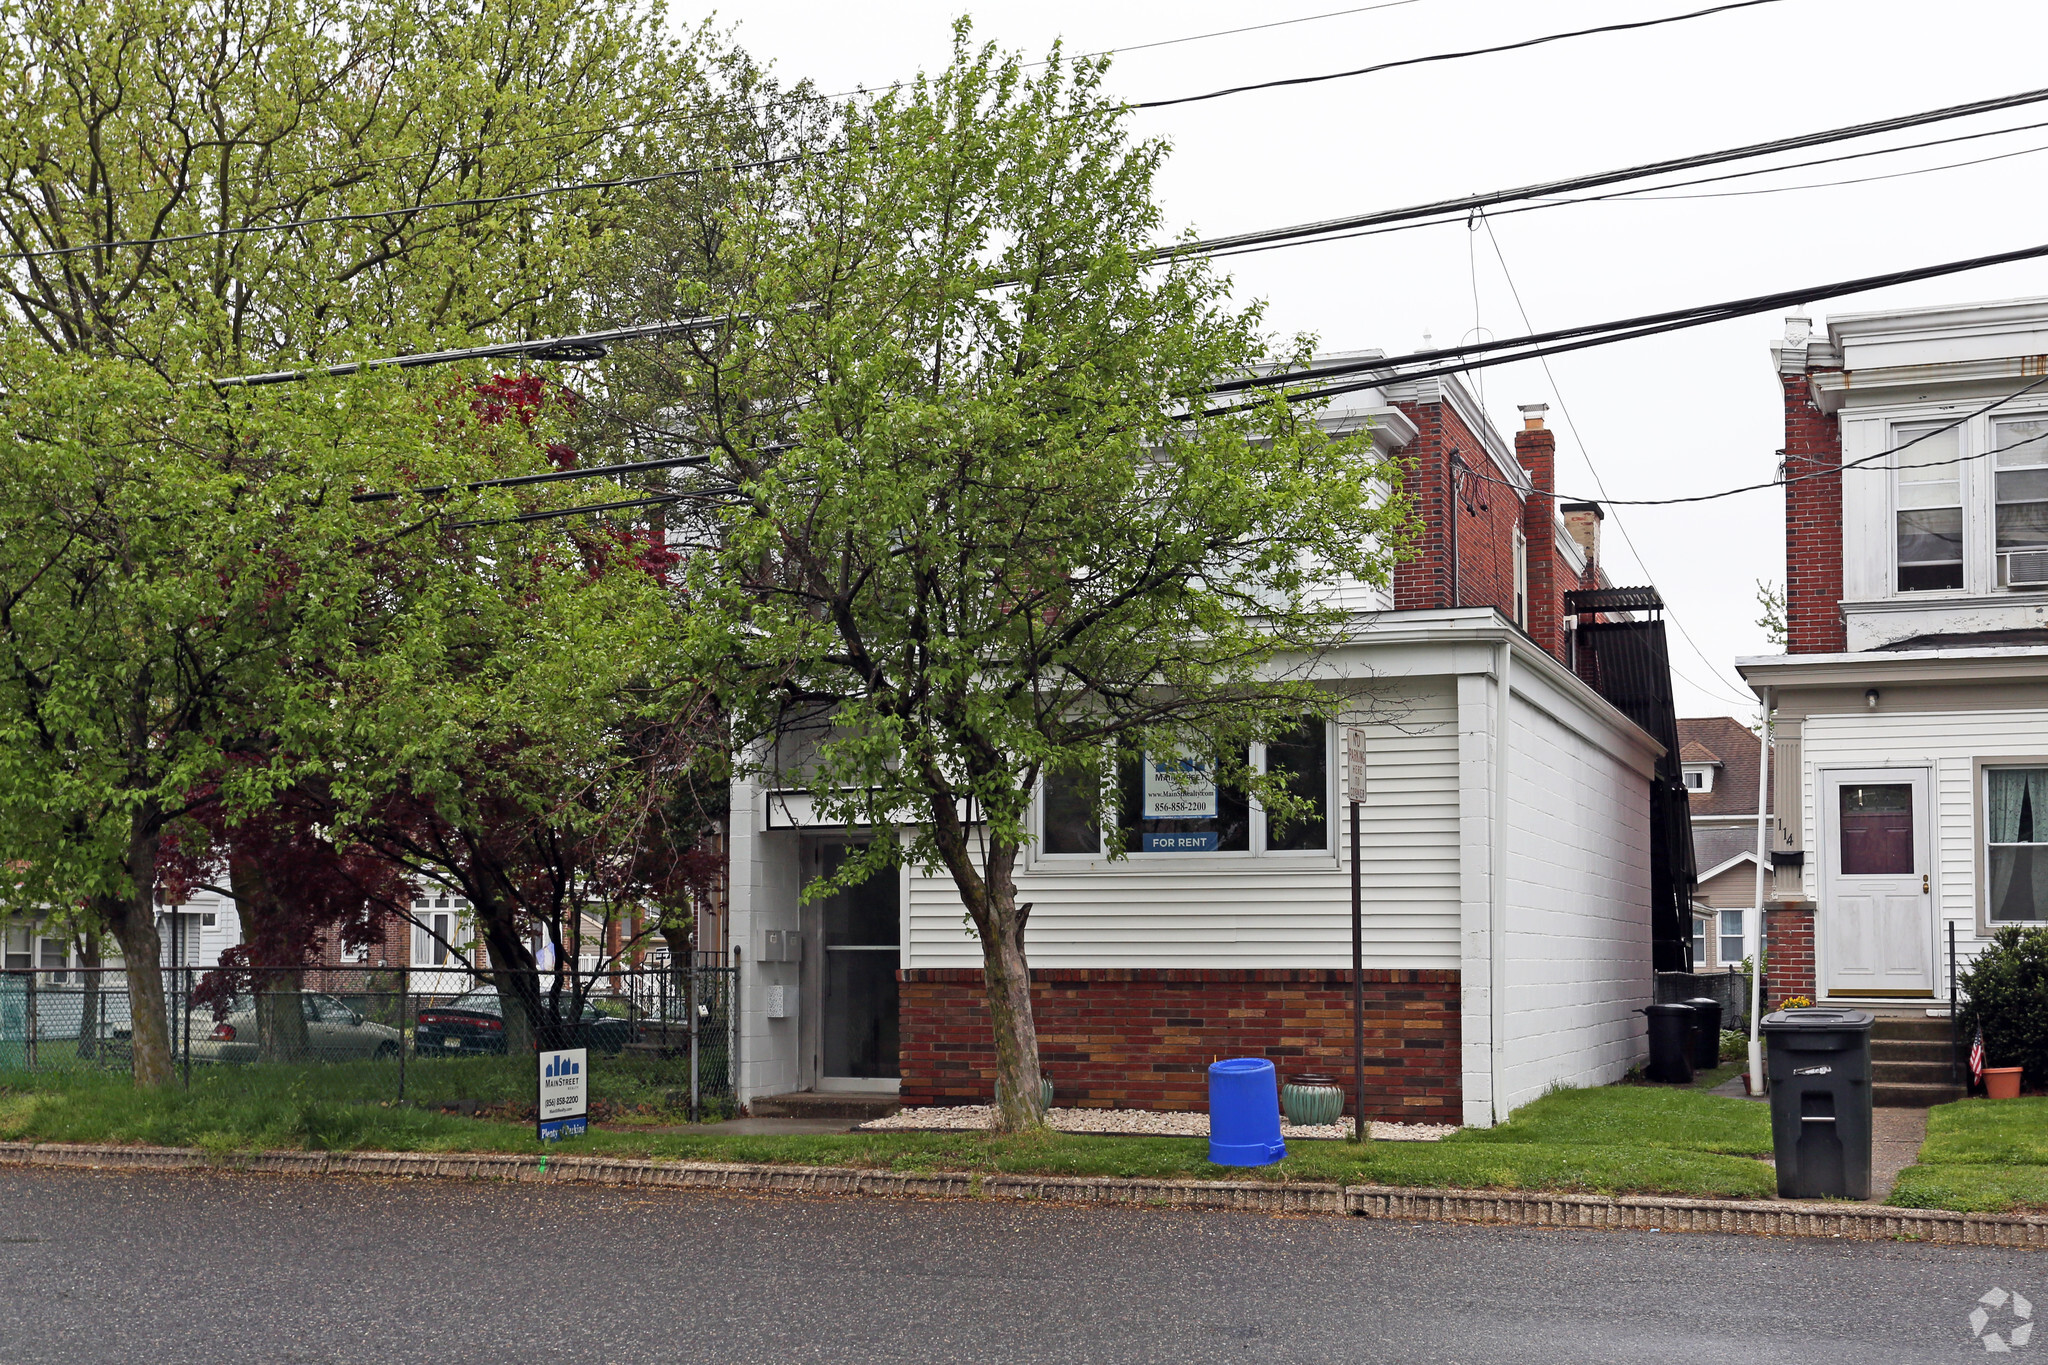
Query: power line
602,471
1464,204
581,346
1514,291
1450,56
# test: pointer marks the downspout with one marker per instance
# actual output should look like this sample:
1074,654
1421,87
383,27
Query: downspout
1497,888
1451,509
1756,936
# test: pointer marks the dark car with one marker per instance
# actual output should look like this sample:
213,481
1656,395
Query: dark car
475,1022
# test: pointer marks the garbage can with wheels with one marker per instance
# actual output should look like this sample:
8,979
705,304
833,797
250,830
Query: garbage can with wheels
1706,1031
1820,1101
1670,1043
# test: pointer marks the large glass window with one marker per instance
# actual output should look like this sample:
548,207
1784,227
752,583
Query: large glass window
1877,830
1928,480
1175,803
2021,488
1304,756
2016,839
1733,941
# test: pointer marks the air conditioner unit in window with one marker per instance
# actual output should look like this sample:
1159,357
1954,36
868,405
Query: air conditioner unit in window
2027,570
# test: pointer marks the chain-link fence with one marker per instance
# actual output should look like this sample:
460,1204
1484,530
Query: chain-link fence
660,1038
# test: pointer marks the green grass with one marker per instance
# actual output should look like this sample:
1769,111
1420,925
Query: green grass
1981,1156
1616,1140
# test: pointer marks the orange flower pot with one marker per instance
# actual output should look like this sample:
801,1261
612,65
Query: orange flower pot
2002,1082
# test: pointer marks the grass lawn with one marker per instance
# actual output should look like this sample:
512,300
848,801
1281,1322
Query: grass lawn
1981,1156
1613,1140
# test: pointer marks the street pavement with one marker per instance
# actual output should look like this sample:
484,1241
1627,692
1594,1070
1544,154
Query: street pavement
190,1267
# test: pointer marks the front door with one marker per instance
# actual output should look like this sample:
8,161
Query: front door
862,941
1877,893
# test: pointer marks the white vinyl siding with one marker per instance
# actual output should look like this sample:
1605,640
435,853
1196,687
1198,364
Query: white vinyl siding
1273,910
1949,743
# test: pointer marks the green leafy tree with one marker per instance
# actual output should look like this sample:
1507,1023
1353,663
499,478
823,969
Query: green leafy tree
983,529
193,190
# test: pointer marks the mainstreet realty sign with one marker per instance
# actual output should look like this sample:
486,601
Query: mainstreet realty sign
564,1094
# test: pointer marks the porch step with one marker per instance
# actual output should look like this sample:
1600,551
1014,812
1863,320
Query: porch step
1889,1050
810,1104
1901,1028
1890,1095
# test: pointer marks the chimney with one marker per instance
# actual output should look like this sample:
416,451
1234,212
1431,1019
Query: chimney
1543,614
1582,523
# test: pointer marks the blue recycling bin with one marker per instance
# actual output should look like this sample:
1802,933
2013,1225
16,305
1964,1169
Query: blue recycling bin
1244,1113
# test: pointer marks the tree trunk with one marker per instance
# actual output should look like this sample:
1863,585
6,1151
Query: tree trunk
280,1012
1006,980
512,969
131,918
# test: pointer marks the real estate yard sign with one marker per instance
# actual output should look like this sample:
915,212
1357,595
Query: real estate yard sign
564,1090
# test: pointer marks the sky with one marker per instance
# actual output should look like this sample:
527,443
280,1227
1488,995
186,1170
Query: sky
1687,413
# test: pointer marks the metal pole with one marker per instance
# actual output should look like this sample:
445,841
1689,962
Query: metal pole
32,1007
404,971
1358,1122
1756,934
690,1004
732,1024
1954,1037
185,1000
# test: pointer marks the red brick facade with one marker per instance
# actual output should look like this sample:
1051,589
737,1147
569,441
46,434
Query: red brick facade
1130,1038
1536,448
1813,524
1473,565
1788,949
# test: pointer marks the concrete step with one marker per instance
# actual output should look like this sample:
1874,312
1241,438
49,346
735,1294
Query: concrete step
1898,1028
1884,1050
1886,1096
810,1104
1912,1073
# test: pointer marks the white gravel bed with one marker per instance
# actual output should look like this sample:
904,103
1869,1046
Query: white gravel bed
1144,1122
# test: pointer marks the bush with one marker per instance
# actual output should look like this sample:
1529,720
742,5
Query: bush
1734,1046
2007,996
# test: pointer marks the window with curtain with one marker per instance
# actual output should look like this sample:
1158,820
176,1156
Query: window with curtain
2020,473
2016,843
1929,502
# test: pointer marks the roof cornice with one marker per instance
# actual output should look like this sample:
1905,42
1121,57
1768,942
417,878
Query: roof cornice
1989,663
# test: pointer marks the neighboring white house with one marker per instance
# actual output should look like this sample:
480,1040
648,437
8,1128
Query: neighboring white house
1506,857
1911,710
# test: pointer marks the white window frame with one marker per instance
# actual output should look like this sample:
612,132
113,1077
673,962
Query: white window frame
1255,831
1703,771
1982,838
1722,937
1896,432
1699,938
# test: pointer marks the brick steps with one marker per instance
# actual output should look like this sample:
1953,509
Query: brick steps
1910,1064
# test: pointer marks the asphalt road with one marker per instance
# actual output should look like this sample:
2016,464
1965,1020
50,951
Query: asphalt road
176,1268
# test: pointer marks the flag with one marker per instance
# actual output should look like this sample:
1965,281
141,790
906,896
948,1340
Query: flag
1977,1057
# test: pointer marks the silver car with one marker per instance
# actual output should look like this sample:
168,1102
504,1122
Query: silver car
334,1033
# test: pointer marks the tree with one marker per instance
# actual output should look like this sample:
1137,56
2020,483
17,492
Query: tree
192,190
990,522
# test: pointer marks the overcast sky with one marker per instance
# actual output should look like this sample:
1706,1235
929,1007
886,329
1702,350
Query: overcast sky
1691,412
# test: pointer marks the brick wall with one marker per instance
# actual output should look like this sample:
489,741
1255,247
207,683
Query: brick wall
1813,524
1788,945
1135,1038
1536,448
1486,516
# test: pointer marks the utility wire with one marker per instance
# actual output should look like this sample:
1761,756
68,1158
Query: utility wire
1514,291
1464,204
602,471
581,346
1450,56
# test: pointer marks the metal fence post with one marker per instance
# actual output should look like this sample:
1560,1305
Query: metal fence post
1955,1036
695,994
404,970
732,1035
31,1022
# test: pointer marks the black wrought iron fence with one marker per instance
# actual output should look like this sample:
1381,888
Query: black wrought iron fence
660,1037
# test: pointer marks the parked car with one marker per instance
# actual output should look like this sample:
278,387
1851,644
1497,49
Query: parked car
334,1032
475,1022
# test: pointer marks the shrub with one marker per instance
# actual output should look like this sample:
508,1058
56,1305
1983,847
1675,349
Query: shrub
2007,996
1734,1046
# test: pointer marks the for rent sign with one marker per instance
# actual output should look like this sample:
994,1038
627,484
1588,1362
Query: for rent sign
564,1106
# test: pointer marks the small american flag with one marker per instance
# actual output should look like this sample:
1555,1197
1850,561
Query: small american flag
1977,1057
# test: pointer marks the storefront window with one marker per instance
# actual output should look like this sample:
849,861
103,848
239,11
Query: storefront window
2016,853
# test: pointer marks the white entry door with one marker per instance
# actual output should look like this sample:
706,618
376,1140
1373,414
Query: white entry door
1877,892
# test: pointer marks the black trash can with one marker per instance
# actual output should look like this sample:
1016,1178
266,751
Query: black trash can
1670,1043
1706,1031
1819,1067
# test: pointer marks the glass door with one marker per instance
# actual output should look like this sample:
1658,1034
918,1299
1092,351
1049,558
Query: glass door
862,941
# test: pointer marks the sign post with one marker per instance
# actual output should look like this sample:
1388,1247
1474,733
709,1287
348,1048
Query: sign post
563,1089
1354,786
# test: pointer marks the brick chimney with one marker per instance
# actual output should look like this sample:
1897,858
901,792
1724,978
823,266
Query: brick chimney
1813,503
1582,523
1536,450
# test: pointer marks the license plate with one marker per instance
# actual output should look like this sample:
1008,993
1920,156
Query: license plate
451,1042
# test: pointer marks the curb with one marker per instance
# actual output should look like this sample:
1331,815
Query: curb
1761,1217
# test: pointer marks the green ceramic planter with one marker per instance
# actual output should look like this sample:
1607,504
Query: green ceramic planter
1311,1099
1044,1087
